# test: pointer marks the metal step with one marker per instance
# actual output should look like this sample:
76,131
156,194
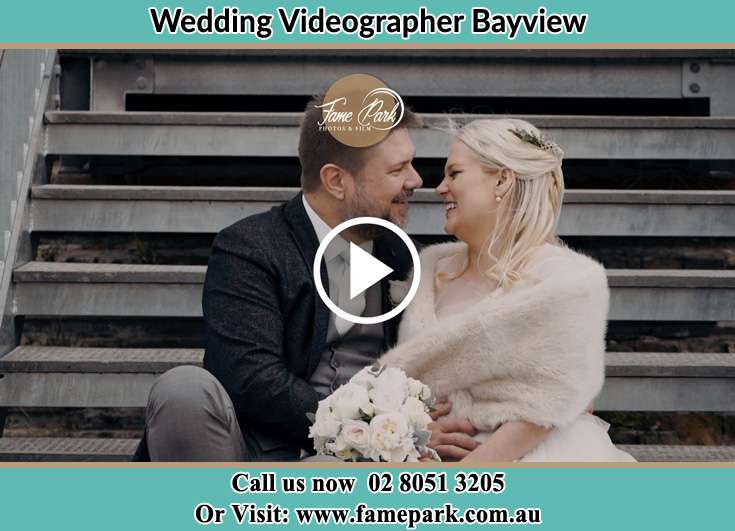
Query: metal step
667,365
66,449
75,449
32,359
276,135
83,289
668,381
672,453
85,377
157,360
176,209
479,74
567,73
114,377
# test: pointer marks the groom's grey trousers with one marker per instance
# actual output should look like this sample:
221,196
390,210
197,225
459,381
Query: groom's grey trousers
190,417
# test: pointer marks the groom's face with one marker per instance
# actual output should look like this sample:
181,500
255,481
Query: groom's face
387,180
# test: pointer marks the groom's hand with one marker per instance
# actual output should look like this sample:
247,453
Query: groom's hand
451,438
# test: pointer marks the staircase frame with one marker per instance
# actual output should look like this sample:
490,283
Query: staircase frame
21,166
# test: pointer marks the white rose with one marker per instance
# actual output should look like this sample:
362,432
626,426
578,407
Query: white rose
393,379
386,400
418,389
365,378
325,425
349,400
391,437
327,430
342,449
323,409
356,434
389,390
415,411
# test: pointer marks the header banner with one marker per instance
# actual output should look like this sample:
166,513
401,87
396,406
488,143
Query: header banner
433,22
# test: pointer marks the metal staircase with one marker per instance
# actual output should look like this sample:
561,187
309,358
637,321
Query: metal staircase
87,123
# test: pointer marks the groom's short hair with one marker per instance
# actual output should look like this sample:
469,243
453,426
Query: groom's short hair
318,147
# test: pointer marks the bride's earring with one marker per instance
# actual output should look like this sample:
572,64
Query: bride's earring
497,198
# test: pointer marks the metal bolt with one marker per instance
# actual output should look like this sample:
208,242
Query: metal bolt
694,87
141,82
694,68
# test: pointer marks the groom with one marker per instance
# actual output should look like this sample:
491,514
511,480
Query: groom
273,348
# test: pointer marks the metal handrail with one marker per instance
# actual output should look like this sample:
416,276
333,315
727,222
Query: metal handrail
25,81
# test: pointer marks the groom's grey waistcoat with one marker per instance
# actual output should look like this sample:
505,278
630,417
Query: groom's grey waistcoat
344,355
266,327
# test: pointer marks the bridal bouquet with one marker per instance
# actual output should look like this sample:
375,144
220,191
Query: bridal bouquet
379,415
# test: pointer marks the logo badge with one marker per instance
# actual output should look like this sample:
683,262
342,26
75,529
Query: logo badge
360,110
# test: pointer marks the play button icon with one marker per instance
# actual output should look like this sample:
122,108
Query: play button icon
365,270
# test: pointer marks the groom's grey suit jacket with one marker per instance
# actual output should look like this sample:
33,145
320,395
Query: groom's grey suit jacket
266,326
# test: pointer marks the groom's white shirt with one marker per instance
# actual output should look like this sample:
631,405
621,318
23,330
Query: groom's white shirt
336,257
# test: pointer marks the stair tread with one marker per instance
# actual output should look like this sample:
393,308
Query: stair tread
37,271
430,119
60,448
658,452
101,360
674,278
276,135
245,193
113,273
66,449
94,377
670,364
133,360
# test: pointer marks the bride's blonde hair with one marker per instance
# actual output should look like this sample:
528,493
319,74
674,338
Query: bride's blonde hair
528,214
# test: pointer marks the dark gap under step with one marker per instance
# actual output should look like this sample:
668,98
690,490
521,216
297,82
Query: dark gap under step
194,249
706,429
430,104
124,248
657,252
633,336
101,332
286,171
179,332
120,423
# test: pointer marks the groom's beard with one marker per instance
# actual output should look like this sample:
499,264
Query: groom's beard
362,205
399,209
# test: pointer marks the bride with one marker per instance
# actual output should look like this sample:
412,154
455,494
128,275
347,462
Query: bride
509,325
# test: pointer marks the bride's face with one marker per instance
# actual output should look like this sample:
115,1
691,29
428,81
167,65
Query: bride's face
468,191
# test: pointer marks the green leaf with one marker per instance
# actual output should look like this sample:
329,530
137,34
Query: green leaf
421,438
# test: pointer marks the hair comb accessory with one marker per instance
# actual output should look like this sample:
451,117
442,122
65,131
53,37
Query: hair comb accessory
539,141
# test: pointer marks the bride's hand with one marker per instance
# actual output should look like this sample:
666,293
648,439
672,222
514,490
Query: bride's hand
440,409
452,438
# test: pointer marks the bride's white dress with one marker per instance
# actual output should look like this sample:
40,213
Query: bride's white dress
586,439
